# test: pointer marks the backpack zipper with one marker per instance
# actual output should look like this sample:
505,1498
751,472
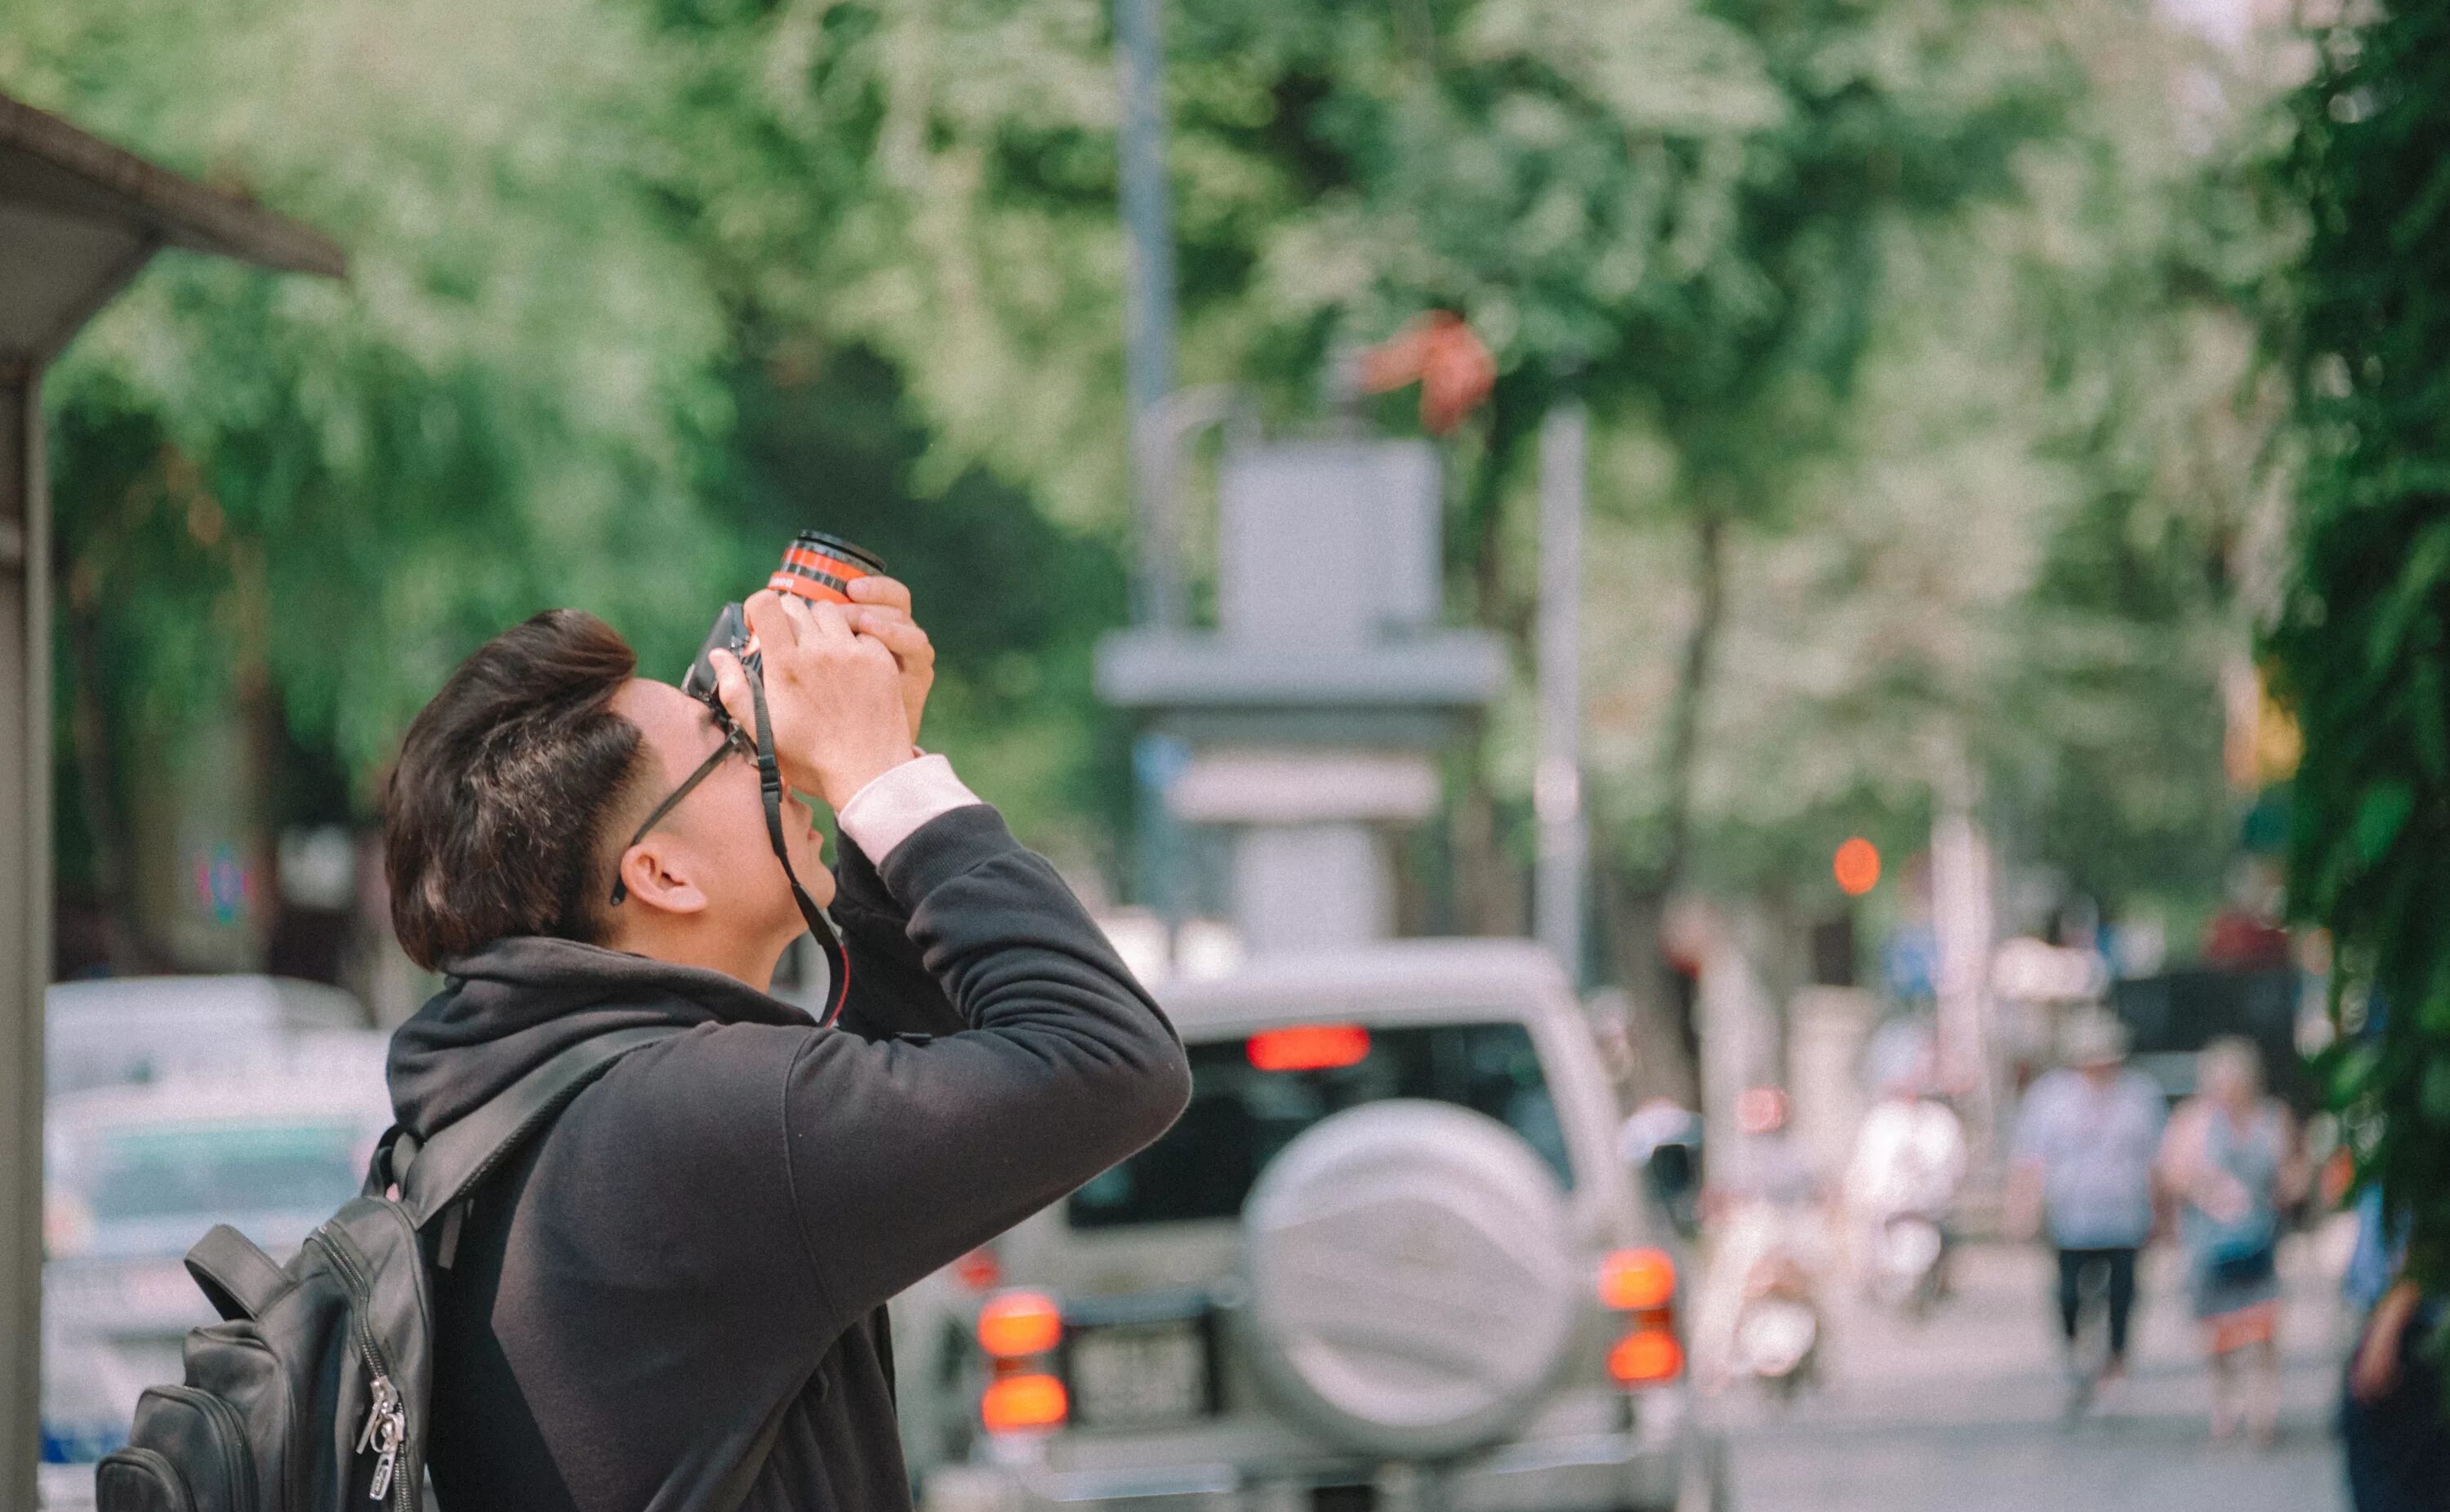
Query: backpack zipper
386,1431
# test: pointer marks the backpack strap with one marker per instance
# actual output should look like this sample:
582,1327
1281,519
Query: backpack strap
438,1174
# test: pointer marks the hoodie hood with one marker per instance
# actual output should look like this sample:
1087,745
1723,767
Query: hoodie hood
505,1008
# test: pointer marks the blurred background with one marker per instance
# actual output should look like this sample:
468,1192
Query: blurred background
1783,501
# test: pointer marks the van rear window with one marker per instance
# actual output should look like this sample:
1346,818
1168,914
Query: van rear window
1241,1116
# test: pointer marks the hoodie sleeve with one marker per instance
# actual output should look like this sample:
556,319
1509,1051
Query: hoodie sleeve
906,1152
892,992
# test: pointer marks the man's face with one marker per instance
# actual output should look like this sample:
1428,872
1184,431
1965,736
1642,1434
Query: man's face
716,840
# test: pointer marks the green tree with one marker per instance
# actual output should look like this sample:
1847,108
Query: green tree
546,380
311,498
2365,329
1710,221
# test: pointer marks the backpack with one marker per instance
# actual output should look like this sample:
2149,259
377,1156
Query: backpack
311,1394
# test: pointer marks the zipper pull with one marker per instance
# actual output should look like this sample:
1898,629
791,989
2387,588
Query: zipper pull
386,1432
384,1403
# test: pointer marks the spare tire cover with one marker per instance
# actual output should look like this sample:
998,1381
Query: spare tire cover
1413,1288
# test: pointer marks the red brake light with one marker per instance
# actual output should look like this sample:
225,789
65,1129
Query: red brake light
1645,1357
1312,1047
979,1269
1023,1402
1637,1280
1019,1323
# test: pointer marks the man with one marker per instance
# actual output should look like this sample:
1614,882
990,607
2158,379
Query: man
673,1299
2396,1454
2084,1147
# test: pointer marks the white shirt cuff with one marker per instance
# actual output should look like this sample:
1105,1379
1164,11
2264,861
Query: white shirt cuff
890,808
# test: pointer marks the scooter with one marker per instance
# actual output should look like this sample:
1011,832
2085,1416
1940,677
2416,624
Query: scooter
1907,1262
1909,1159
1777,1328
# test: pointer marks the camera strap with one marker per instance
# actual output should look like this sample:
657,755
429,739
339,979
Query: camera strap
770,784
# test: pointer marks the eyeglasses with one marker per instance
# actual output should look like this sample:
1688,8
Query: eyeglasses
735,742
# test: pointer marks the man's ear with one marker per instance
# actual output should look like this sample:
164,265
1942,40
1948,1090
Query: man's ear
657,875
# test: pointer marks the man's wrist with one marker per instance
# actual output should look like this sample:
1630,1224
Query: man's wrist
841,795
893,805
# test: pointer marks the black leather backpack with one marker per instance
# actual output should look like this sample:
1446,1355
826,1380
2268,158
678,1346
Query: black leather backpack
311,1395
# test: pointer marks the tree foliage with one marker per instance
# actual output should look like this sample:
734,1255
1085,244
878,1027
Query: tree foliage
2366,328
546,381
1872,305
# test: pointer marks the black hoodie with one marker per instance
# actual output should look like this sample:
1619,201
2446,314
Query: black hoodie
695,1257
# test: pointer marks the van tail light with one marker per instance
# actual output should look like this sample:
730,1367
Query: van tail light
1638,1280
1647,1357
1024,1404
1016,1325
1019,1331
1642,1282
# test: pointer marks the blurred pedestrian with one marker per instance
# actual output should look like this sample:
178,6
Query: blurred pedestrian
2391,1406
2084,1147
2229,1164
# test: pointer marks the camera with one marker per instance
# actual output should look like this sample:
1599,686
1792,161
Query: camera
819,567
816,566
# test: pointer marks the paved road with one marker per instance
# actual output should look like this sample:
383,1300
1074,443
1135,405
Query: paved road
1962,1413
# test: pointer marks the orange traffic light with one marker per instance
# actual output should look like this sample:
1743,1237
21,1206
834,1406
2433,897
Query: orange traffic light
1856,867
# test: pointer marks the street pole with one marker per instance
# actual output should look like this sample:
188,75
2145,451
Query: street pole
1556,774
1963,928
25,913
1148,307
1148,384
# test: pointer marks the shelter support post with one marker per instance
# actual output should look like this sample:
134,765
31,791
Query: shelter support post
24,917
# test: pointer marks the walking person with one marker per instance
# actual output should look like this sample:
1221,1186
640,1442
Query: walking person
2229,1164
2397,1452
2084,1147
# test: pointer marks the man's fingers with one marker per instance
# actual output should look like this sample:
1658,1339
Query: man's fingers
904,638
731,686
767,616
887,592
828,622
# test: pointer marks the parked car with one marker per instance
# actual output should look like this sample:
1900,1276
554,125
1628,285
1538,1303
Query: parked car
135,1175
133,1029
1389,1255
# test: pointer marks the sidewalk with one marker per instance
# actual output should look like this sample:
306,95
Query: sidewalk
1963,1413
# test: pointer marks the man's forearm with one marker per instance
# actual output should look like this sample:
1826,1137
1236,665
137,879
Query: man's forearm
905,1155
892,992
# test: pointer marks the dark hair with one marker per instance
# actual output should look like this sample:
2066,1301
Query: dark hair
494,819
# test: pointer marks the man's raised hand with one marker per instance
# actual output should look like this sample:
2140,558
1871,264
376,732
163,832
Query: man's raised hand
834,697
881,607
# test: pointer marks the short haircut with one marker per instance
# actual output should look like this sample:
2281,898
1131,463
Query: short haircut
494,817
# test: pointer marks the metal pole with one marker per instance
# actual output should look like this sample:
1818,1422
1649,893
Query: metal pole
1148,306
1964,928
1557,776
24,917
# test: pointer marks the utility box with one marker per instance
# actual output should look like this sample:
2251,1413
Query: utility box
1327,542
1313,710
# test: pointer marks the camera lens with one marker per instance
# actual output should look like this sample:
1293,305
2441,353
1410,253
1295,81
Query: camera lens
821,567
